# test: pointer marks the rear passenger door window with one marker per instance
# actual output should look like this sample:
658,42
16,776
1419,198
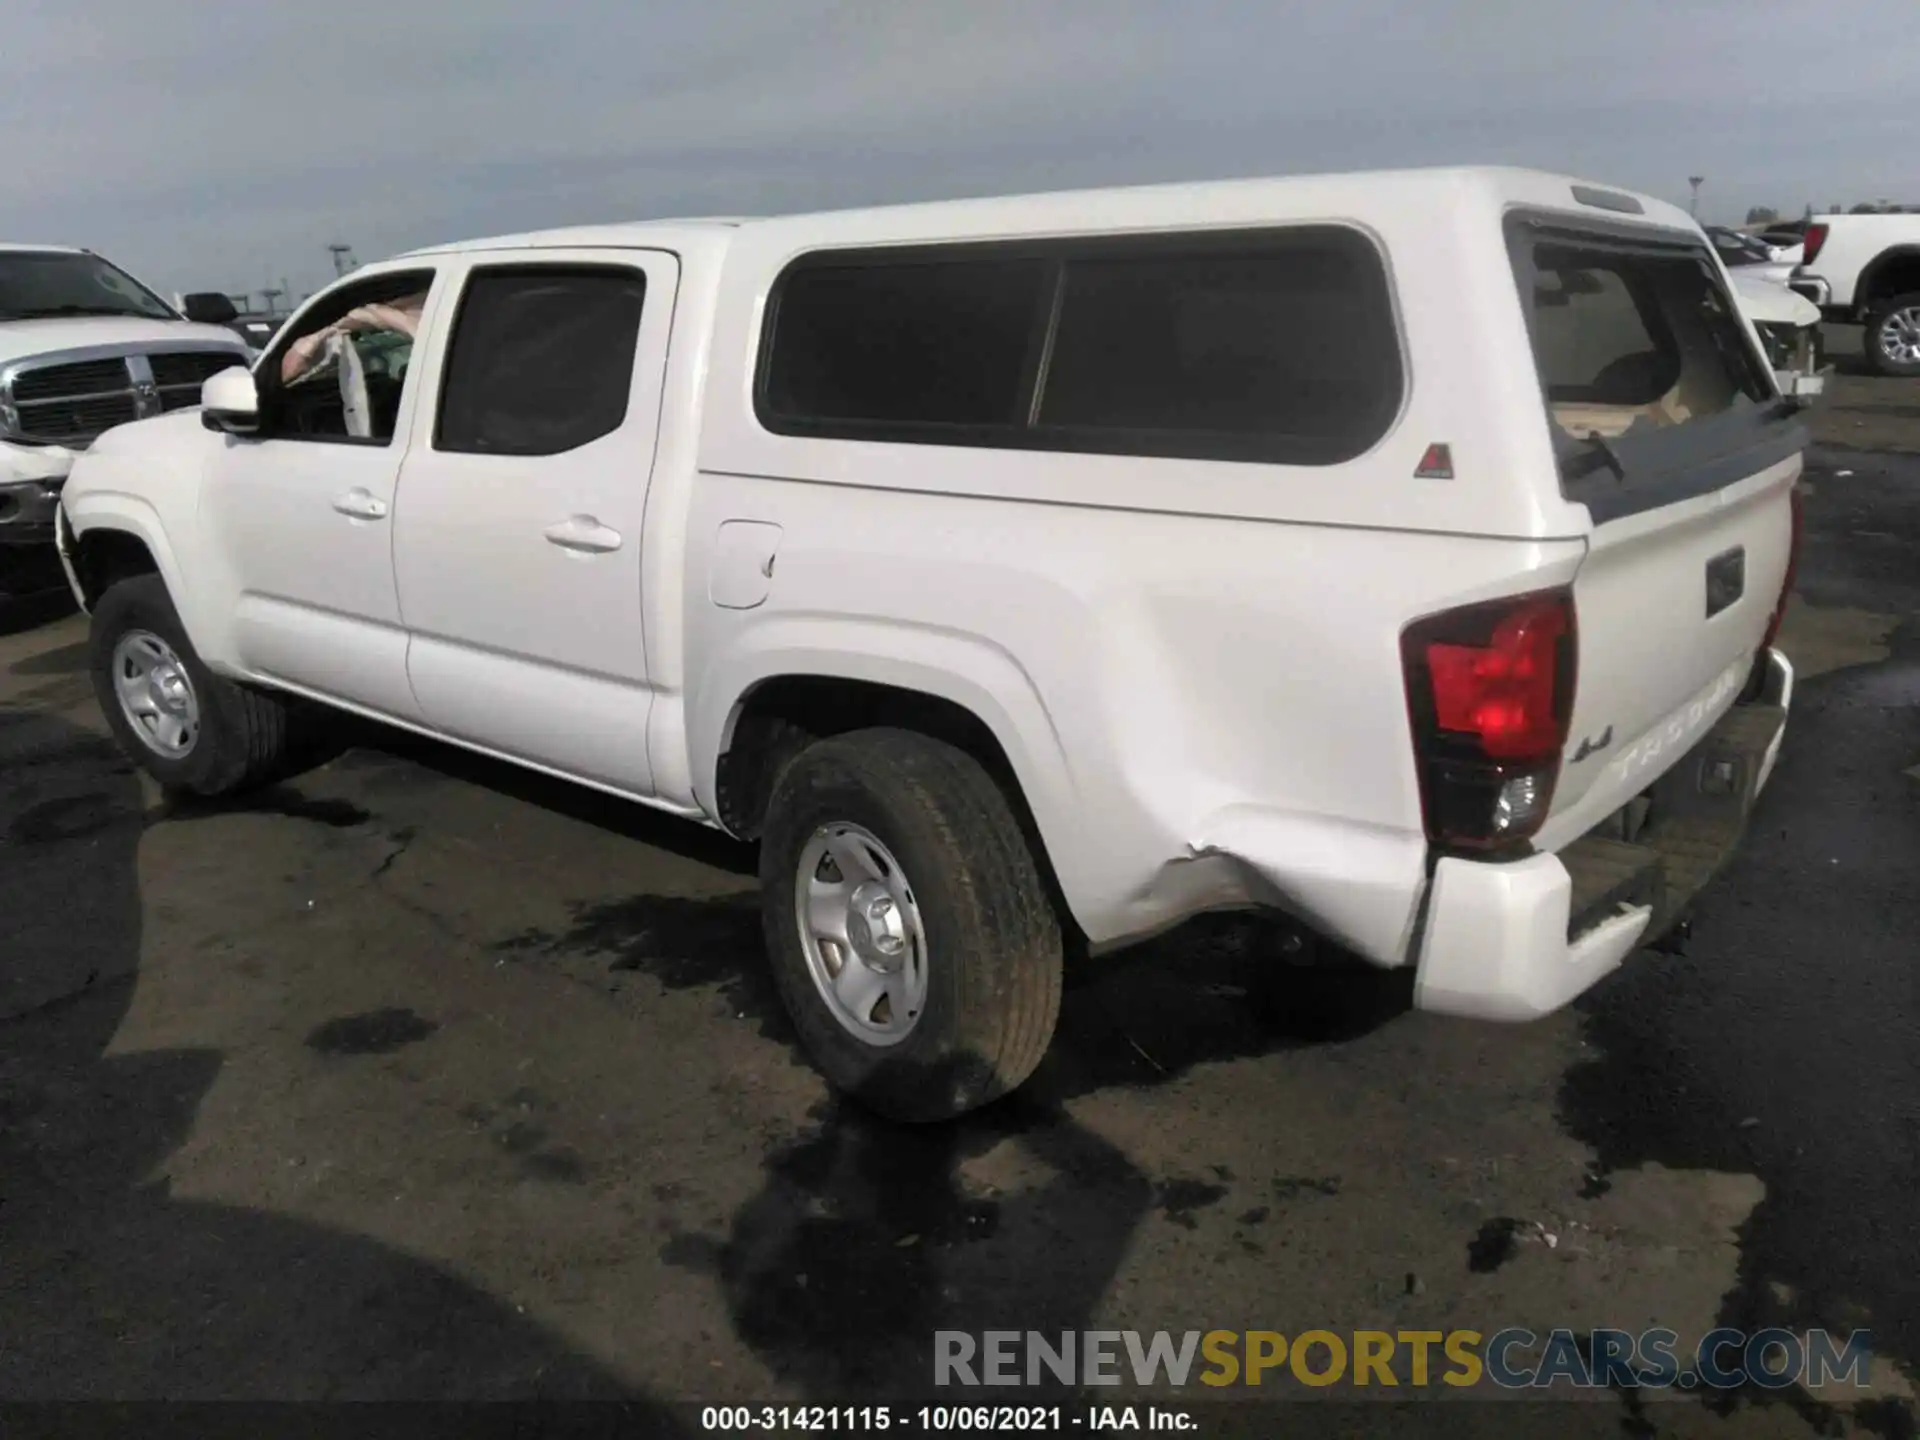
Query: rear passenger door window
541,359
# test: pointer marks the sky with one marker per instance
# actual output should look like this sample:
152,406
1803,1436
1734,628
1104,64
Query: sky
224,145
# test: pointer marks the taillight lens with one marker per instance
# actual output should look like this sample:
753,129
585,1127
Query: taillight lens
1490,692
1793,567
1815,237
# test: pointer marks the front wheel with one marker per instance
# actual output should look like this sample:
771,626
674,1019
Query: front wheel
185,726
910,933
1892,335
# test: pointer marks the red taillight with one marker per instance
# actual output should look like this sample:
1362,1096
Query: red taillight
1815,237
1490,692
1793,566
1502,692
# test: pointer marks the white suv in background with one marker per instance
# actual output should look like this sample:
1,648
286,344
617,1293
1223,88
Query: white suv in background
1022,574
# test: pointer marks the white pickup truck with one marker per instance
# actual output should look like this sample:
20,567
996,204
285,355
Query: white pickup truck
83,347
1401,552
1865,270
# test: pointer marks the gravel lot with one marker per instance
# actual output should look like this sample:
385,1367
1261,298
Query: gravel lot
423,1077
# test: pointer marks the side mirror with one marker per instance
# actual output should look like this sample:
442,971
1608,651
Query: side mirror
229,402
210,308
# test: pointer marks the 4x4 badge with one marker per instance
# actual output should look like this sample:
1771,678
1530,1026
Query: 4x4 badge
1590,746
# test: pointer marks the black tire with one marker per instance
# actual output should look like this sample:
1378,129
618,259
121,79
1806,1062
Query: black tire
993,941
1872,340
244,736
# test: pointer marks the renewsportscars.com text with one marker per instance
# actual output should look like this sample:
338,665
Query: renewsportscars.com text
1510,1359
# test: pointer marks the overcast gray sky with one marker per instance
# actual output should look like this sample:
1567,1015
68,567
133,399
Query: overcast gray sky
224,144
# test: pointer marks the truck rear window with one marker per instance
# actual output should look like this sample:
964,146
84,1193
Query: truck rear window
1644,364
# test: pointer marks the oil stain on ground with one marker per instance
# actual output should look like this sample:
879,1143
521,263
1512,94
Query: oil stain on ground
515,1131
375,1032
683,942
1178,1198
1496,1243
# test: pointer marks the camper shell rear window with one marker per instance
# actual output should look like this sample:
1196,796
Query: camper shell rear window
1652,388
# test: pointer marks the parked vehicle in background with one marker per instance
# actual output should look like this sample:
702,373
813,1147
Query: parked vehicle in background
83,347
1786,234
1789,324
1865,269
1739,250
257,330
1020,568
224,310
1789,328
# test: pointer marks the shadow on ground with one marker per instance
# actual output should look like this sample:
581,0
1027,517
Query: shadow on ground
21,613
114,1287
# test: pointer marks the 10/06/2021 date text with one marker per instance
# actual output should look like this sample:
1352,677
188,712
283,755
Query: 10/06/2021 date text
940,1419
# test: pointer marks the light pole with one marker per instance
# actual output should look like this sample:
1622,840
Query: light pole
1693,205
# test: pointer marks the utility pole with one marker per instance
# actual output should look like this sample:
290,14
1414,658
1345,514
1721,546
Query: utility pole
1693,206
343,260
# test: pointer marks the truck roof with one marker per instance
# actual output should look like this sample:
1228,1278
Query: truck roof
673,234
6,246
1186,204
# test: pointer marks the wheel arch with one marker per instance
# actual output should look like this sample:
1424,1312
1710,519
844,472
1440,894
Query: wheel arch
106,553
1894,271
767,697
111,523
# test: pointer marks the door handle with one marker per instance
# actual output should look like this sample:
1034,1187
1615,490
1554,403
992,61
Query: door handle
361,504
583,533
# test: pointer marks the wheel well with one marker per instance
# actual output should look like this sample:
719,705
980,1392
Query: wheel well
1895,274
776,719
102,558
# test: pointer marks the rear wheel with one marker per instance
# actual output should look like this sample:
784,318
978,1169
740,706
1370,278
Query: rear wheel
1892,335
910,933
185,726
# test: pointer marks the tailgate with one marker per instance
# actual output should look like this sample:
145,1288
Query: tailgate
1671,607
1667,426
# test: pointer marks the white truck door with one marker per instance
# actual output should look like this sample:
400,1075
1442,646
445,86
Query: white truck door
517,535
300,514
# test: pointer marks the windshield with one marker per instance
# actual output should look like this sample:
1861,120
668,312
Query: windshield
42,284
